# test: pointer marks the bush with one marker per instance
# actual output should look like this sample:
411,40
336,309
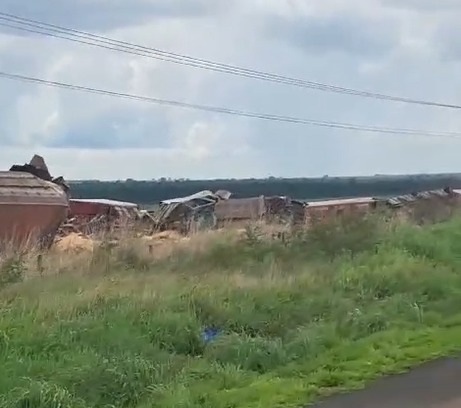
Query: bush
348,234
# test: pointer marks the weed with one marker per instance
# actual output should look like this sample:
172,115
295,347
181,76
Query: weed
12,270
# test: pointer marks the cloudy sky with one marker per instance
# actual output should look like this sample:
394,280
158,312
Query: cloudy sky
410,48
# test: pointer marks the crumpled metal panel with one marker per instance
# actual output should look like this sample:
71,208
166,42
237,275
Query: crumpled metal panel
201,195
223,194
422,195
176,209
104,201
441,193
395,202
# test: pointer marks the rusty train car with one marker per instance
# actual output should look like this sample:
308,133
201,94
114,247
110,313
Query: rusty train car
31,209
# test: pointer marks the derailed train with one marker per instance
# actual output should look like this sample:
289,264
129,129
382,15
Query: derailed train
33,205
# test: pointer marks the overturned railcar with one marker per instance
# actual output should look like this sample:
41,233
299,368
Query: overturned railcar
31,209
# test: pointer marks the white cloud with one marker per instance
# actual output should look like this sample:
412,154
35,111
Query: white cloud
379,45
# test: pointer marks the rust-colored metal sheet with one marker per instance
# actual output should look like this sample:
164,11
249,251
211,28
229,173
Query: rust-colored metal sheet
240,209
94,207
30,208
322,210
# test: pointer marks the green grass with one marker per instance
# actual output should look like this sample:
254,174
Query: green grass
299,318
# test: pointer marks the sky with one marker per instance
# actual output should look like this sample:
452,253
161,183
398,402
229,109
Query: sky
409,48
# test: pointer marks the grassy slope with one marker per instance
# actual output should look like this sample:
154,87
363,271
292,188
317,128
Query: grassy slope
296,322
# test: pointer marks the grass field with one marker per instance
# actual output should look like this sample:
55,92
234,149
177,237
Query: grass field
296,318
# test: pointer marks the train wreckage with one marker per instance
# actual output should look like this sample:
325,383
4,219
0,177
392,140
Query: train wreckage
36,207
33,205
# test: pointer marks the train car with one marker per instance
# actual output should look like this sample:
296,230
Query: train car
31,209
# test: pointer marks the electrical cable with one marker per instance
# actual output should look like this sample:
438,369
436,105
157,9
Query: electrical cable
52,30
235,112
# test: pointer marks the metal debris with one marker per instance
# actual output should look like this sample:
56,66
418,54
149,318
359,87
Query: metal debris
271,209
187,213
46,207
91,216
407,199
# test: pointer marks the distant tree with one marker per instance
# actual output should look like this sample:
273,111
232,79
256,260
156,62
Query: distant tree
147,192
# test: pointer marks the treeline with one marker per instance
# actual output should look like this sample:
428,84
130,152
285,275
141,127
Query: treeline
149,192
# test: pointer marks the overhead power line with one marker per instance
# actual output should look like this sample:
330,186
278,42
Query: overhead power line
227,111
69,34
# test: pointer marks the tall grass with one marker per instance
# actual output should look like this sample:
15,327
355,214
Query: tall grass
296,315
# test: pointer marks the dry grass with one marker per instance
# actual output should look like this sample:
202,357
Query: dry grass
78,254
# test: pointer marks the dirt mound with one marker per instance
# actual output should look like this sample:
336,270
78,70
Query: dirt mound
166,236
75,243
